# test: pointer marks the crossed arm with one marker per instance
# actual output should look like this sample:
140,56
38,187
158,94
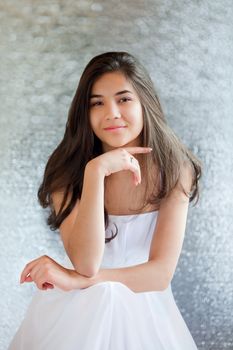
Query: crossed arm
46,273
153,275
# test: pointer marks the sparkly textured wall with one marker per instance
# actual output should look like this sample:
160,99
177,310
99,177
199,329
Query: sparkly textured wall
187,48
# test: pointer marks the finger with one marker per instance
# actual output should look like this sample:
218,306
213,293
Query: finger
32,275
132,164
35,273
46,286
41,283
27,269
136,182
135,150
138,175
135,168
39,276
28,279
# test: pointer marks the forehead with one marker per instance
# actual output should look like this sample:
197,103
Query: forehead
110,83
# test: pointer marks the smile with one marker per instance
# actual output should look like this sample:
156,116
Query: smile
113,128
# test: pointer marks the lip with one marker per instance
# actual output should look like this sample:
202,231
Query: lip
115,127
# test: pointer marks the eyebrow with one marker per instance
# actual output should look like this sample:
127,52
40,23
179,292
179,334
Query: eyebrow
116,94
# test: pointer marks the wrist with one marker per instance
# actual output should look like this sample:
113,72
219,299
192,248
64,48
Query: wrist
94,166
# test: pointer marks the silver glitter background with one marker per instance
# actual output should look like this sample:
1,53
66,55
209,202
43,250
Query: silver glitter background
187,47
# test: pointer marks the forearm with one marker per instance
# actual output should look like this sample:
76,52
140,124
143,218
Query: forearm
145,277
87,240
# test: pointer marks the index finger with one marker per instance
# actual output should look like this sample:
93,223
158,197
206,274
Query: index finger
27,270
134,150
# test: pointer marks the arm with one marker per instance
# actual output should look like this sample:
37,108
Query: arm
47,273
83,230
145,277
83,235
154,275
165,249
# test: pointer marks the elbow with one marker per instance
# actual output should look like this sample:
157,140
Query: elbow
86,271
162,276
165,282
84,266
163,287
89,273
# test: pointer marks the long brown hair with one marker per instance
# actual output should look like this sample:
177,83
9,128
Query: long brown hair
64,170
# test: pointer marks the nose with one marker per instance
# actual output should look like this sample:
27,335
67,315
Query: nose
112,111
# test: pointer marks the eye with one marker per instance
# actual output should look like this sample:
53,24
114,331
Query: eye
98,103
125,99
95,103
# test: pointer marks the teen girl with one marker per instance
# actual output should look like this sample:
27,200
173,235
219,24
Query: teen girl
118,187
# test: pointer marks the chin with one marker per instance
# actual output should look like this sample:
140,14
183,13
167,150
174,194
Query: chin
122,143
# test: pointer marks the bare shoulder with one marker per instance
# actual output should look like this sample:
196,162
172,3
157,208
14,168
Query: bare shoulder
170,226
186,177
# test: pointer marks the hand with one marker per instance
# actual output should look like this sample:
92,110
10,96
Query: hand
47,273
121,159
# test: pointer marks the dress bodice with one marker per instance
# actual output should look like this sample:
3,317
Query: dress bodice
132,244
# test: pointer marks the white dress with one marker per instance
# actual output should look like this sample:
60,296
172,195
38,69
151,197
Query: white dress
108,315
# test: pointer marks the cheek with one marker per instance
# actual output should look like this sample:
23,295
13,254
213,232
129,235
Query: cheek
136,117
93,122
95,126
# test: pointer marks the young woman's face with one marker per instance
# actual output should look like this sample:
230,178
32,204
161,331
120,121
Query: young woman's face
116,112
